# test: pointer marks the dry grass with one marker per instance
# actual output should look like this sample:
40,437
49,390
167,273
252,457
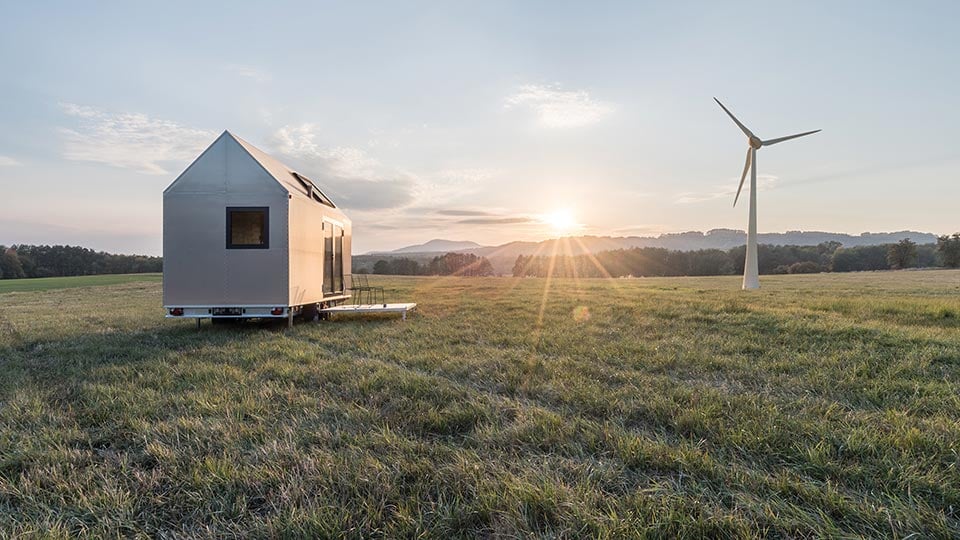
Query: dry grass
824,405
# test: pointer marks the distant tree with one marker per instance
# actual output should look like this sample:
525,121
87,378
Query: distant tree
519,266
927,256
460,264
827,250
361,271
829,247
649,261
10,265
770,257
397,266
806,267
860,258
404,267
948,247
484,268
48,261
29,267
903,254
708,262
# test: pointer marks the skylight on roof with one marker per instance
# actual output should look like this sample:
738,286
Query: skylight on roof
312,190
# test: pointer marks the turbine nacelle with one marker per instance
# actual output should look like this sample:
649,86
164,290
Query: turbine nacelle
755,142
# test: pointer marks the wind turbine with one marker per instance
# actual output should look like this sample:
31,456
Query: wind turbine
751,274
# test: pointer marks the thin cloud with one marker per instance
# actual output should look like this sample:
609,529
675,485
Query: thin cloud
351,177
359,181
81,111
401,225
349,161
689,197
497,221
463,213
441,188
301,142
296,140
556,108
7,161
367,194
874,169
248,72
129,140
464,176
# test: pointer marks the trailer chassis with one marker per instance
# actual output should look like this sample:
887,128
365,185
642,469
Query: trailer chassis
255,311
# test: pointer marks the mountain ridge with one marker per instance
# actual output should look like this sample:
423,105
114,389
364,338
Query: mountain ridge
683,241
436,245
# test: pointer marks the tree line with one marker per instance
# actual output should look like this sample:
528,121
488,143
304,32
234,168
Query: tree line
27,261
825,257
448,264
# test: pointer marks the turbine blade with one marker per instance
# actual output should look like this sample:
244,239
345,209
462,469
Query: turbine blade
787,138
746,167
742,127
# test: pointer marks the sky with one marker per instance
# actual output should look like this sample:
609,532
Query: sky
486,121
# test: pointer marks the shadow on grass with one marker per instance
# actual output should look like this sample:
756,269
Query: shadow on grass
52,363
59,366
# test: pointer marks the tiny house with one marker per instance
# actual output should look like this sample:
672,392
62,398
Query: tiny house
245,236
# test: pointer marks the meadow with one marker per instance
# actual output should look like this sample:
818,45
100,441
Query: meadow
44,284
820,406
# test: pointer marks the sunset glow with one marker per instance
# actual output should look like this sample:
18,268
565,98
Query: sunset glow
561,221
504,134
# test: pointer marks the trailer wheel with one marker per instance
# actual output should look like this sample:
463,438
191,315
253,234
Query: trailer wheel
309,312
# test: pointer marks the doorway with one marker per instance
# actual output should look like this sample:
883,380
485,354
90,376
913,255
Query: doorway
332,258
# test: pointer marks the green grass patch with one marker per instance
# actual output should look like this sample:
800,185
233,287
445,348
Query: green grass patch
819,406
44,284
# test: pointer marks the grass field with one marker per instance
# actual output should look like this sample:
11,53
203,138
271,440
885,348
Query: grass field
43,284
820,406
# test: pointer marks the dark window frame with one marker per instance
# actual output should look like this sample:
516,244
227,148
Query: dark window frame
266,227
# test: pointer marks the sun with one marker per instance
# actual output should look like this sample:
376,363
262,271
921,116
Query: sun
561,221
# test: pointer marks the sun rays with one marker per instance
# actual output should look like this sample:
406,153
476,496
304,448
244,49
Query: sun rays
560,221
565,256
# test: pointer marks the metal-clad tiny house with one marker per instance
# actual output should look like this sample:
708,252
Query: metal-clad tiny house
246,236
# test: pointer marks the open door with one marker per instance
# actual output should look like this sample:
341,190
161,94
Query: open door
332,259
337,259
328,256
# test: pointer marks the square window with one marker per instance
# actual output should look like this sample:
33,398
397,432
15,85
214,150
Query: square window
248,227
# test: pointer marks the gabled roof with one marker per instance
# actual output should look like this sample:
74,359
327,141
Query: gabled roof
292,181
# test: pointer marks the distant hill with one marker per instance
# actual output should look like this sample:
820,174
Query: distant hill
689,241
438,245
503,256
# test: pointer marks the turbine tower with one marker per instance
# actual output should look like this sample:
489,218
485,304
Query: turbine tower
751,274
